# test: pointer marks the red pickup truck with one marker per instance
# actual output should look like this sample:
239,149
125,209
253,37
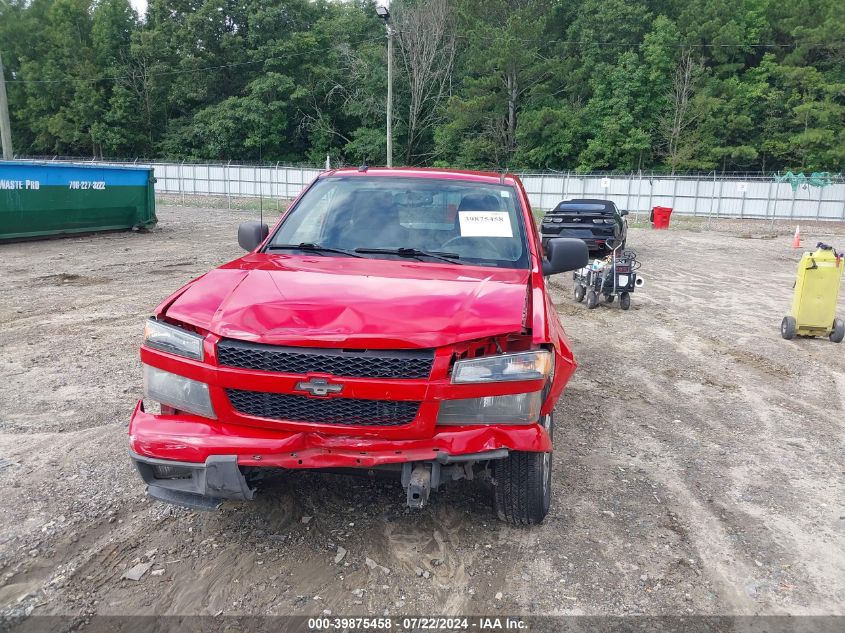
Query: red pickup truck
393,319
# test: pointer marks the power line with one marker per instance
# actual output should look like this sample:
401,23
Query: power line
584,43
186,71
576,43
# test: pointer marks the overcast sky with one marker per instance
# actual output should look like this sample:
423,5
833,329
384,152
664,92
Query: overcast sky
139,5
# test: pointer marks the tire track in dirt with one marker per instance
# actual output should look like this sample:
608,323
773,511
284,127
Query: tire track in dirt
434,549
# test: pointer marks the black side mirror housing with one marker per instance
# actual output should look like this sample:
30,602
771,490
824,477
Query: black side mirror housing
623,212
564,254
251,234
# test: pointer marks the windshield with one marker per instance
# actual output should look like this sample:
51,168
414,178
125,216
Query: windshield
575,206
427,219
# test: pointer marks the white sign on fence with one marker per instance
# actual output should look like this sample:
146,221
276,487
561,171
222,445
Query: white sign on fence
605,183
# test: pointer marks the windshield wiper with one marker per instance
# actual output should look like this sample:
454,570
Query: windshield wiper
412,252
308,246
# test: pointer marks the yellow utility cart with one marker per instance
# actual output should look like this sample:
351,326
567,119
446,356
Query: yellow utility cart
816,293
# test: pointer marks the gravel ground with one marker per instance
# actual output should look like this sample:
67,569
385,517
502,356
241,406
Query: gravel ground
698,464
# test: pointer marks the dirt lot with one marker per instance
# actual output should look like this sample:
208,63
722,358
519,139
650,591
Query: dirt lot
698,468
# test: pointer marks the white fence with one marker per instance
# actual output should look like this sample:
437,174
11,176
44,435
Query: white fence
232,180
751,196
732,196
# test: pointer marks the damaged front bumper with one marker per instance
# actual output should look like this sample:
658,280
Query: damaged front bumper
195,462
201,486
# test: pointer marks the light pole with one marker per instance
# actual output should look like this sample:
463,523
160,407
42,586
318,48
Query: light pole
384,14
5,128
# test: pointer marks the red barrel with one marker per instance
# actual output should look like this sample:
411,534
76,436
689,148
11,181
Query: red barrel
660,217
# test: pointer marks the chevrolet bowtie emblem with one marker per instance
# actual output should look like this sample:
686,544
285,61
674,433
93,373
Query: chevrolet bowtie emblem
319,387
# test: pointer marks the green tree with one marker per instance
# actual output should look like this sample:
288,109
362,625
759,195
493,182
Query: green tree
615,115
64,99
503,63
599,31
531,84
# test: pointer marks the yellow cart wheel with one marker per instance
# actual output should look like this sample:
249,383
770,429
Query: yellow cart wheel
838,332
787,328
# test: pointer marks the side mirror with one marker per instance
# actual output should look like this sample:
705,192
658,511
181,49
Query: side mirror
251,234
625,212
564,254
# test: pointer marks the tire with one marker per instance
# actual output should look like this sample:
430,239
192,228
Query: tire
838,332
787,328
592,299
523,484
625,300
609,298
579,293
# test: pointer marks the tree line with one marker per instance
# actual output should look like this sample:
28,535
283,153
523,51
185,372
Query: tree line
521,84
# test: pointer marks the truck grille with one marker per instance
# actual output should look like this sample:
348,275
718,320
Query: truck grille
340,411
407,364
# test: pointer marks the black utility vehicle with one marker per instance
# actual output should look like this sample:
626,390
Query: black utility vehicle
594,221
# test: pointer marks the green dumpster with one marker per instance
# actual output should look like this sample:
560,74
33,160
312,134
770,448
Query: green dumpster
45,199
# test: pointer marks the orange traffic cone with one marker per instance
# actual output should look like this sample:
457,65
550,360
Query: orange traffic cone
796,241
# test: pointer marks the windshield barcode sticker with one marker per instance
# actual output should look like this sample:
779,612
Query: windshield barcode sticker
485,224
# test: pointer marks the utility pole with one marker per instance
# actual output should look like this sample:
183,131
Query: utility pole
384,14
5,127
389,96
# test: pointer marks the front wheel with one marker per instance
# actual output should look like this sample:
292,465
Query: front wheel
579,293
838,332
592,299
523,484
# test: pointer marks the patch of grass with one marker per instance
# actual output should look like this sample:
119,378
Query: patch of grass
762,236
679,223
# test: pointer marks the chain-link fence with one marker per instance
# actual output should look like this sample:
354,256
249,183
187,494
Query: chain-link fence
714,195
790,196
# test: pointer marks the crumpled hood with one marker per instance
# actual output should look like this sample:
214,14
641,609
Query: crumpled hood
357,303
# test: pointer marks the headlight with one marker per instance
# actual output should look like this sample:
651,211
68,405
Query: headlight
504,367
169,338
520,408
177,391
